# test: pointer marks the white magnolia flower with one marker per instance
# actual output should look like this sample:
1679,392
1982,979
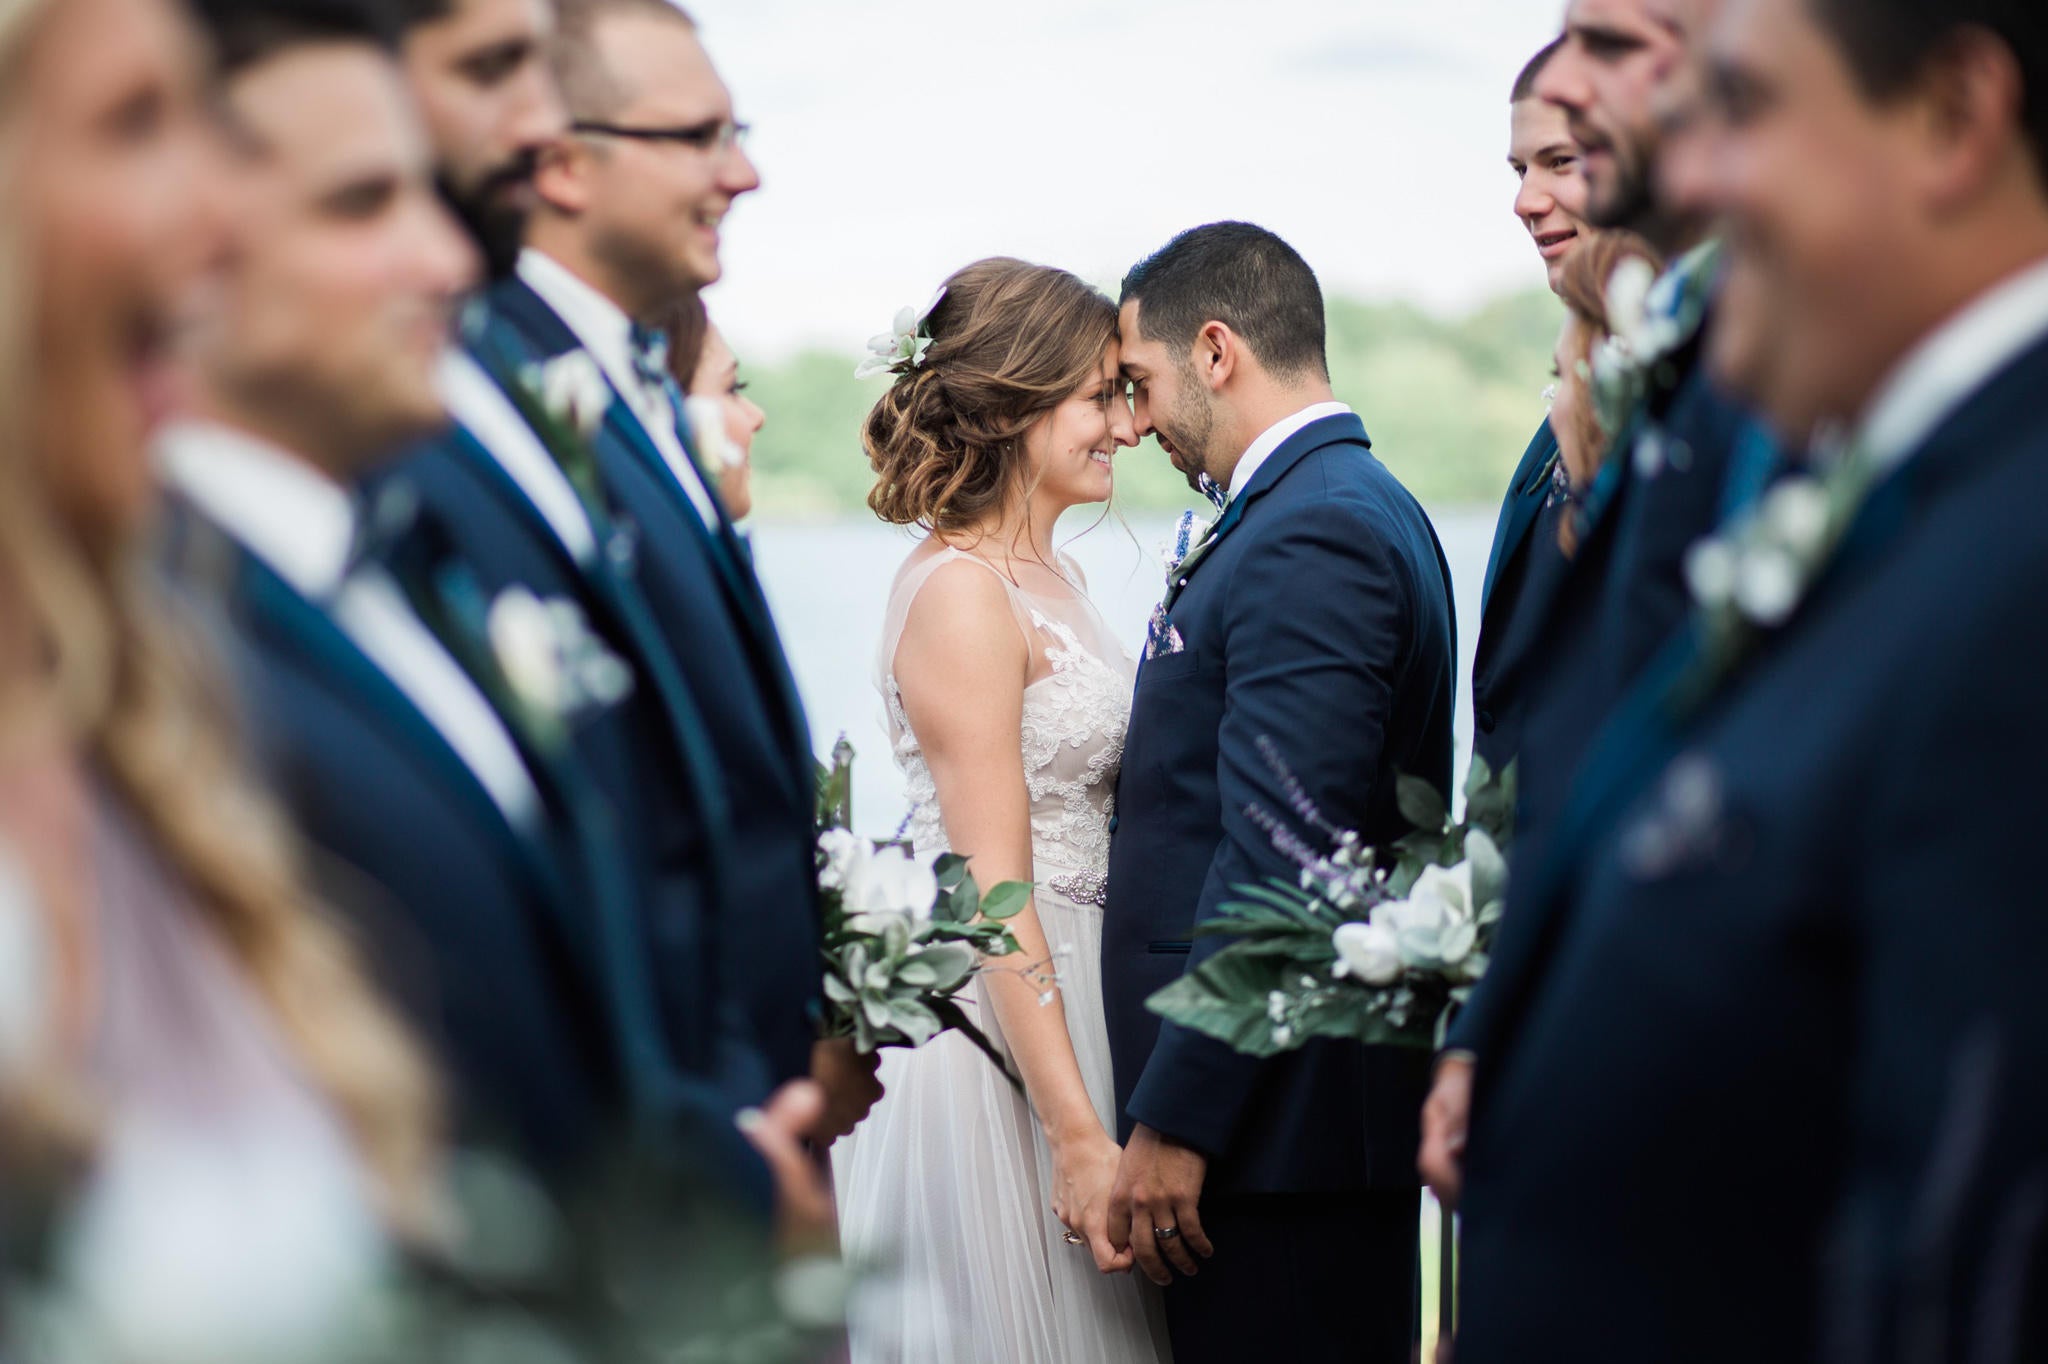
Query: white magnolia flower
1796,515
890,884
1368,951
845,854
1767,584
575,391
522,631
901,345
189,1249
1628,297
707,423
1710,572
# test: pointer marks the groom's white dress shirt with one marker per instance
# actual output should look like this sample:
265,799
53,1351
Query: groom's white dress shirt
607,333
479,405
1951,363
301,523
1275,436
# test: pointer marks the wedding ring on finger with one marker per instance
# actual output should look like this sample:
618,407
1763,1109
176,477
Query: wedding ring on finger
1166,1233
1073,1239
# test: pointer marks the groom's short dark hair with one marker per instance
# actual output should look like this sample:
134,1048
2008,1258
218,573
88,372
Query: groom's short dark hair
246,33
1242,276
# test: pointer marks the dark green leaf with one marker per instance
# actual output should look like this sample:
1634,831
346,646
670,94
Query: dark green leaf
1421,804
1007,900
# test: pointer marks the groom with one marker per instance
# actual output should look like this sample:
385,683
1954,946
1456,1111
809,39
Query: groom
1315,615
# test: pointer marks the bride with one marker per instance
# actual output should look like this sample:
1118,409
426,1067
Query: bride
1007,699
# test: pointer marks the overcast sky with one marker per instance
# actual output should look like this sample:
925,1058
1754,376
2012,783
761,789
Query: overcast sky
900,139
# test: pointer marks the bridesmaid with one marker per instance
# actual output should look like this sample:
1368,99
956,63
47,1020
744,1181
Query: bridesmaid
254,1123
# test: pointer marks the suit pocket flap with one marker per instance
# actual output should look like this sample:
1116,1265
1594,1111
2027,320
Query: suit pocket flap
1169,949
1168,666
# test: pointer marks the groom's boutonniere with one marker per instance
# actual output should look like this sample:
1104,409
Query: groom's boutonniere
566,401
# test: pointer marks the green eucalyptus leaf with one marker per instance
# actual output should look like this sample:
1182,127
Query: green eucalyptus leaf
1006,900
1421,804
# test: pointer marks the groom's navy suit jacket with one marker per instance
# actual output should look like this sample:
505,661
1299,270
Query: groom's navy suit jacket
1770,1084
1321,619
487,930
701,587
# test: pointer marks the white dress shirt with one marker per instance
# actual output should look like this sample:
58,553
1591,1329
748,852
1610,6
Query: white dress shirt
301,523
1947,368
475,400
607,333
1275,436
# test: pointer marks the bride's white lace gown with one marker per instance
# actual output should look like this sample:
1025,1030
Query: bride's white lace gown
949,1180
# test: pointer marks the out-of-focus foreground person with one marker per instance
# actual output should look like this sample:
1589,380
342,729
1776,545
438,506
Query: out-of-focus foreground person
216,1033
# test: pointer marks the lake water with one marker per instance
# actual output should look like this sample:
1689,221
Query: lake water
829,585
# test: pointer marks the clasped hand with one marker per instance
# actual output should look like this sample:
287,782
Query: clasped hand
1159,1188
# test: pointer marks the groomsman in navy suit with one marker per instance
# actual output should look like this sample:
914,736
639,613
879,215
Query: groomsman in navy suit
1316,614
1773,1090
1683,459
1550,202
445,810
629,203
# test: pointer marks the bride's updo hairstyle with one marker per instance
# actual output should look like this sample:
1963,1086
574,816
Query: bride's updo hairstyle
1010,342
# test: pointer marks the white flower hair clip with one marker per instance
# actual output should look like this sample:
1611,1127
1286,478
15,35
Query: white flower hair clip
901,349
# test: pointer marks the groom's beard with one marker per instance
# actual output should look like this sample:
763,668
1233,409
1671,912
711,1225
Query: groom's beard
1186,434
494,212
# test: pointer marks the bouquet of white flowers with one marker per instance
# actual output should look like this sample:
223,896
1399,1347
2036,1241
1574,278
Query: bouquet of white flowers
902,935
1374,944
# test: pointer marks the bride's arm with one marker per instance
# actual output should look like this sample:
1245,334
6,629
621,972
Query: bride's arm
961,667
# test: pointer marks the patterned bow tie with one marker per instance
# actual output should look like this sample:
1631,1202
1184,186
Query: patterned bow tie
650,356
1209,488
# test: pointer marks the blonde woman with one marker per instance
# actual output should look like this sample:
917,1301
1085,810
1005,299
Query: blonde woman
254,1122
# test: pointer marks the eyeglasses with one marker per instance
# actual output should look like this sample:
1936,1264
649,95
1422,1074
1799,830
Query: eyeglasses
717,137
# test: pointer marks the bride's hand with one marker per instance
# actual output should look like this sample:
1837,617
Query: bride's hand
1083,1173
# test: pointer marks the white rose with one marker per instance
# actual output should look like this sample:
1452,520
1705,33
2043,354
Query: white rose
1797,513
1767,585
845,854
523,636
1710,573
1367,951
1628,296
891,884
574,390
707,425
1435,926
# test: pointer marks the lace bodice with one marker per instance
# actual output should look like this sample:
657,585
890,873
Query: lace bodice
1074,719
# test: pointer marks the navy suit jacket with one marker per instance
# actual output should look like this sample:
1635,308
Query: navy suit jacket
1773,1090
649,755
710,608
1320,619
1609,611
482,928
1520,572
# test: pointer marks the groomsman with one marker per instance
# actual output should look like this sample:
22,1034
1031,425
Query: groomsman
444,810
1551,204
1774,1091
1315,616
1681,461
627,222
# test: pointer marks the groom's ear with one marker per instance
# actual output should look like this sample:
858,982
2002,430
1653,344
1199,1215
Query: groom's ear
561,176
1218,353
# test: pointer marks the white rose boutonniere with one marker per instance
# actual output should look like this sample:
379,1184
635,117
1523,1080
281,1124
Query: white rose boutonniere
574,391
902,348
550,657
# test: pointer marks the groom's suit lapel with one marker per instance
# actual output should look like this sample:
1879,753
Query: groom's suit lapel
1331,430
541,330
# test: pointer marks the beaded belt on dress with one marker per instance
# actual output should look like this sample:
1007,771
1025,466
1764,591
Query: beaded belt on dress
1082,887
